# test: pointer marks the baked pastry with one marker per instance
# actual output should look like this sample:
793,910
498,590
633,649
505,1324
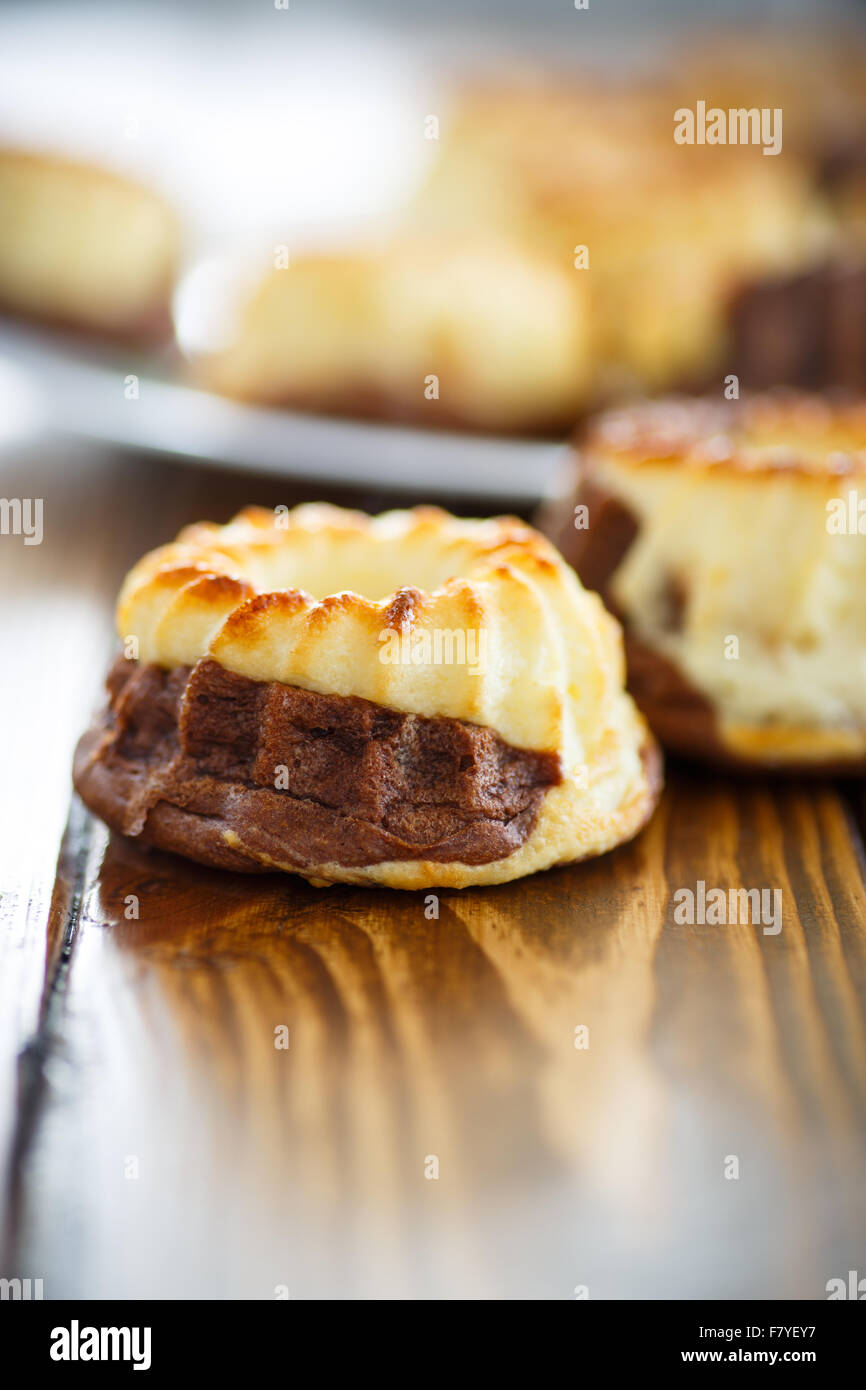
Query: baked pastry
82,248
295,704
442,333
725,536
565,251
575,161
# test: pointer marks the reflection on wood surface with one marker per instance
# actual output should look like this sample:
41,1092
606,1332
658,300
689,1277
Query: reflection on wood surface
419,1044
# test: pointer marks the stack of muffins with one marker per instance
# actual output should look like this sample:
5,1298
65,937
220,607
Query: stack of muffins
564,252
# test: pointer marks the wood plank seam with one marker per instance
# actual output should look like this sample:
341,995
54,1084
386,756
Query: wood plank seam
32,1085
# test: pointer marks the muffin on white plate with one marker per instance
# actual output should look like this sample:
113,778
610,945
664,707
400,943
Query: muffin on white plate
471,333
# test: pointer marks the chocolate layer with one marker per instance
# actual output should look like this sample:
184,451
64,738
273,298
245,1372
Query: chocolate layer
183,759
596,549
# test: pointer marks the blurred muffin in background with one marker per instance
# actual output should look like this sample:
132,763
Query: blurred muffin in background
474,333
804,326
82,248
563,252
727,536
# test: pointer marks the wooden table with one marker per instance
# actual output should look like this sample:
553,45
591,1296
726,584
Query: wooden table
163,1146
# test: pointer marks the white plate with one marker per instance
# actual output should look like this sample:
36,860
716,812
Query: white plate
73,390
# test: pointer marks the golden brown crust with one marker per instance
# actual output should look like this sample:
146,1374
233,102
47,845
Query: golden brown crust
274,616
782,431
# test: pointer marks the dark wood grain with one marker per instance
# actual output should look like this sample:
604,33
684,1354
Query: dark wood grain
152,1038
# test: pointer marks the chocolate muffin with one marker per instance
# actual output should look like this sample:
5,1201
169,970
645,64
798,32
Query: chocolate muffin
409,700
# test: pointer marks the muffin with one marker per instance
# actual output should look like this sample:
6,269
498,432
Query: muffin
410,700
806,330
84,249
670,231
729,539
473,334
